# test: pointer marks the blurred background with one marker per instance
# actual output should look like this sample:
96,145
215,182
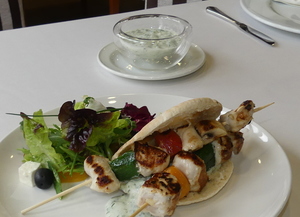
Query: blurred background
38,12
24,13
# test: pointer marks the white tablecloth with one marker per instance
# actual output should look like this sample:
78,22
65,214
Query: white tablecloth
44,66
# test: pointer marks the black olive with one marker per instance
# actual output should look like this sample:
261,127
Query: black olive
43,178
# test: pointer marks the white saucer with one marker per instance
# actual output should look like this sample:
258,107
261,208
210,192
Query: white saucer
111,59
268,13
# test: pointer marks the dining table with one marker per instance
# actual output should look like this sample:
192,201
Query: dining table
43,66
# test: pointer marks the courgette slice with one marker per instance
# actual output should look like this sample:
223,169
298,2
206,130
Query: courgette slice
207,154
125,167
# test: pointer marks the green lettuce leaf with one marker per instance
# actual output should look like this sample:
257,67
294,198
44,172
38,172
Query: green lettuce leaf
101,133
40,147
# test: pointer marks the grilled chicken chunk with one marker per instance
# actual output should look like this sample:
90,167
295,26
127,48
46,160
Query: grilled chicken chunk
193,168
150,159
191,140
223,149
210,130
103,178
161,192
237,140
237,119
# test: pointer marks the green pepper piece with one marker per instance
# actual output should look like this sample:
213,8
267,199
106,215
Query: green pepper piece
125,167
207,154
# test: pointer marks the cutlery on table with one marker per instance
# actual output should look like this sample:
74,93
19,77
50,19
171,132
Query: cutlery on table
286,3
242,26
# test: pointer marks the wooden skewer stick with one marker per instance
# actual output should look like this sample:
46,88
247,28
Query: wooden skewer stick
88,181
139,210
262,107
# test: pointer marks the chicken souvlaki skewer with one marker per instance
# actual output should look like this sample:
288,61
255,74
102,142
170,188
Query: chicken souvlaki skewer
161,202
193,170
206,132
104,180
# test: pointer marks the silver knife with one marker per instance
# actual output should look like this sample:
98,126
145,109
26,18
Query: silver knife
244,27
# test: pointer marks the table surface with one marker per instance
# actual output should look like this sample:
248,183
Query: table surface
44,66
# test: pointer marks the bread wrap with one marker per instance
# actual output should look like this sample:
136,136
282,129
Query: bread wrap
187,113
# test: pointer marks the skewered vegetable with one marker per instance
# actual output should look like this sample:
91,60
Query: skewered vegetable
125,167
181,178
170,141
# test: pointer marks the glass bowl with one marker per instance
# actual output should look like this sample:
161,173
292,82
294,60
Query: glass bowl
152,41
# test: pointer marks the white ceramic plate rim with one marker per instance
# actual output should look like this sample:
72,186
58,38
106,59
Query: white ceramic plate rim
262,11
110,59
259,186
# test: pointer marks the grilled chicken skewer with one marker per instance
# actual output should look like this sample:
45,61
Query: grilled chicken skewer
193,168
103,178
150,159
225,140
184,189
237,119
161,193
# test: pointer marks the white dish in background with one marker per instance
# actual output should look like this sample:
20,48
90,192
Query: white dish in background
288,11
264,11
111,59
260,184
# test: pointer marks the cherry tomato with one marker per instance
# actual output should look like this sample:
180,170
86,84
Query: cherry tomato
170,141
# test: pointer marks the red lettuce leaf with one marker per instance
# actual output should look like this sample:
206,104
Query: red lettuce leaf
77,124
141,116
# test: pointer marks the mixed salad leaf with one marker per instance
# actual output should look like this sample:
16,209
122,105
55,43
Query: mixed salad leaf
36,134
141,116
87,128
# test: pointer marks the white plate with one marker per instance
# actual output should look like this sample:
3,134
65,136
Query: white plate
111,59
263,11
288,11
259,186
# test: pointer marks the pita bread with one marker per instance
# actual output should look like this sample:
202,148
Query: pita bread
188,112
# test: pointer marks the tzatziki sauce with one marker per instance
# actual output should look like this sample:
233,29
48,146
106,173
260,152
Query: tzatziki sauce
152,43
125,205
152,46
